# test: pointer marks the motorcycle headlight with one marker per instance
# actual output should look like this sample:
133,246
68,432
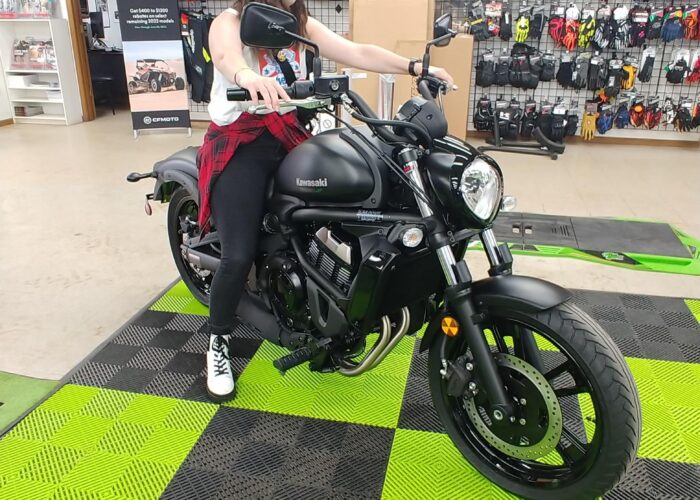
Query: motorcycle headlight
480,187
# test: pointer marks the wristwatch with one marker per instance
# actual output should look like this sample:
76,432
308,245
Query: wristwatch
412,67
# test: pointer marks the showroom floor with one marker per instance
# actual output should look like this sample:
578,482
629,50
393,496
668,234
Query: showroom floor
79,256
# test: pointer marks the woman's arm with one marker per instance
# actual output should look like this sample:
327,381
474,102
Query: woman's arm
363,56
227,55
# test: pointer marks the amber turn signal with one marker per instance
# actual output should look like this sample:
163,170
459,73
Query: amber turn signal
449,326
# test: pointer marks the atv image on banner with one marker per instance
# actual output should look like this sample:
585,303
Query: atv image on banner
154,75
365,233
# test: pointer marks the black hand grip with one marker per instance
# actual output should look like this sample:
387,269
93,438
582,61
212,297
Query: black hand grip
237,95
299,90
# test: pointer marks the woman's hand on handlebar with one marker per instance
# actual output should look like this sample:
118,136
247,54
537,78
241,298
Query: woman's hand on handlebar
440,73
271,91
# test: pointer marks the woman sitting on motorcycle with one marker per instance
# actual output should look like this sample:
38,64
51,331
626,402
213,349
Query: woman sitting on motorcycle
241,151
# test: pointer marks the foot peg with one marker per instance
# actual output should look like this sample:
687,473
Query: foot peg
301,355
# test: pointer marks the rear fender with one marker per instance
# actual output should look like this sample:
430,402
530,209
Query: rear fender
514,293
179,168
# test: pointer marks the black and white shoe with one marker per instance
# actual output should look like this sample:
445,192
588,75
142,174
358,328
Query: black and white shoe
220,384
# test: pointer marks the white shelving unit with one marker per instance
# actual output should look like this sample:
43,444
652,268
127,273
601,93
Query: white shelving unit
56,91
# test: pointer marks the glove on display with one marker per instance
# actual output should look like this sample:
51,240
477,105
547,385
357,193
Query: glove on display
629,73
622,116
597,73
683,120
690,23
565,73
648,58
486,70
605,120
656,22
518,66
588,126
637,113
483,116
672,29
502,70
612,85
696,115
679,68
639,18
622,34
669,112
571,124
604,34
522,28
556,30
652,117
536,65
537,22
580,71
506,28
570,34
527,125
694,75
558,128
548,67
586,32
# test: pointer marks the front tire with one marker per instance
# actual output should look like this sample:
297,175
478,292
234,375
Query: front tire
155,84
182,212
179,83
610,448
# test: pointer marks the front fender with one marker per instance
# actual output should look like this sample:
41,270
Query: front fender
515,293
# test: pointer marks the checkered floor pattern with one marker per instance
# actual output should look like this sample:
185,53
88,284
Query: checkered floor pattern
133,421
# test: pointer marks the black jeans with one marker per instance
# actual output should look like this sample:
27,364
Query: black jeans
238,204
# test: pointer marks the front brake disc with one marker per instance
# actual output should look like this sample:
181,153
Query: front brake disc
521,448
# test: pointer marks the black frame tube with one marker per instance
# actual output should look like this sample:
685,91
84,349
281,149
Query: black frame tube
339,215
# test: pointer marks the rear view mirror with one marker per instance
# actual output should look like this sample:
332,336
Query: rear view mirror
442,27
266,27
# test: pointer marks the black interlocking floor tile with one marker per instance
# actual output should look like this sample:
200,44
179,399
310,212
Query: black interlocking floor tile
685,335
636,481
674,479
170,384
653,333
637,302
680,319
260,458
669,304
690,352
152,358
242,486
640,317
154,319
662,350
214,452
94,374
617,330
243,348
136,335
629,347
115,354
605,312
131,379
360,474
170,339
187,362
322,435
194,484
187,323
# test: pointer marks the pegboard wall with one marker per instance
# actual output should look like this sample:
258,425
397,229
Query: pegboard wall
551,91
333,13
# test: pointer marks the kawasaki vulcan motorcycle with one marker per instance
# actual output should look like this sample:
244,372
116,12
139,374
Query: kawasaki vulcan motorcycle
366,232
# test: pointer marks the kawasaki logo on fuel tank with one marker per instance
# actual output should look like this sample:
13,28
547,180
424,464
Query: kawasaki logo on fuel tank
314,183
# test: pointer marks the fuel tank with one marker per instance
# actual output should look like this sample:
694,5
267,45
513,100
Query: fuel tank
334,168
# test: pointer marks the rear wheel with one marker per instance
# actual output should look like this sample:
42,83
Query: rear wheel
577,420
179,83
155,84
182,225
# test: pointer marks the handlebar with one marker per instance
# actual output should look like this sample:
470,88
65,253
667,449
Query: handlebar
298,90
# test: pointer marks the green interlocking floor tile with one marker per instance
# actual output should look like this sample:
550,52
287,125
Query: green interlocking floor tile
694,306
179,300
372,399
670,409
427,465
97,443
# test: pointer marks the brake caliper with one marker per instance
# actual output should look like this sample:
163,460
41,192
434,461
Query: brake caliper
458,374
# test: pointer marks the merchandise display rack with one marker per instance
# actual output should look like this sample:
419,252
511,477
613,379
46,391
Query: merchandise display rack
333,13
657,86
56,89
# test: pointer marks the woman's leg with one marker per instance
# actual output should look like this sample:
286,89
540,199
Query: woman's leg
238,202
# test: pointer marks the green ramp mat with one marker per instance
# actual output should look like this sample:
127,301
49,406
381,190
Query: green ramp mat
19,394
631,244
133,421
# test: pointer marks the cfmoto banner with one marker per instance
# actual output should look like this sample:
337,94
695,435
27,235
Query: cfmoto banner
155,67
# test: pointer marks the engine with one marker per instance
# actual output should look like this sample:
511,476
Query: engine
332,258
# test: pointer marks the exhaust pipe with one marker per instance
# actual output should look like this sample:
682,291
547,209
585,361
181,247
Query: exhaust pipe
200,259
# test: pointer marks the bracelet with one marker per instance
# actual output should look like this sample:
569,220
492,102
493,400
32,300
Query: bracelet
235,75
412,67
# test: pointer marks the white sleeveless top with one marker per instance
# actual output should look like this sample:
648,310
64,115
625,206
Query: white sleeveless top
224,112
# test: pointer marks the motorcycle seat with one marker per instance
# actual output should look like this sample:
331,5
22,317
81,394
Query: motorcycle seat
184,160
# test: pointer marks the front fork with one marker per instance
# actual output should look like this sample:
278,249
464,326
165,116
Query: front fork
458,296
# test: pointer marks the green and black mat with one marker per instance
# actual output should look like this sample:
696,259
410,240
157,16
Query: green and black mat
632,244
133,421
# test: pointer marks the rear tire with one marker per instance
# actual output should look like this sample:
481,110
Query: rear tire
179,83
183,205
617,408
155,84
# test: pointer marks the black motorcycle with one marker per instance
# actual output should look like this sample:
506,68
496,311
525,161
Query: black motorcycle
366,231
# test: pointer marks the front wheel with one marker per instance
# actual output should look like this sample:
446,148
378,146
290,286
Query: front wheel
577,421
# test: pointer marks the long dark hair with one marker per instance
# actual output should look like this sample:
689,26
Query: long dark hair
298,8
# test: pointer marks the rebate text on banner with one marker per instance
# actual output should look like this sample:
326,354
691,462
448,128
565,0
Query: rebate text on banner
155,67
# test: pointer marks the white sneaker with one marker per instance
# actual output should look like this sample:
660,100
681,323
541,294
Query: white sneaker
220,384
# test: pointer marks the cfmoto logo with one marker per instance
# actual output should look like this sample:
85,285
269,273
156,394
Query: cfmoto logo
147,120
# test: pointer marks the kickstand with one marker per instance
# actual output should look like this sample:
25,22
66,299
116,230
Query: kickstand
525,148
